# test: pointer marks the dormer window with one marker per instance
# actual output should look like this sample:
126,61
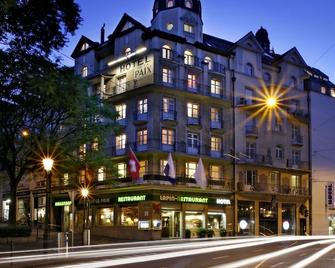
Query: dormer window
166,52
209,62
84,71
127,51
188,28
249,69
84,46
188,58
189,3
169,3
293,82
169,26
323,90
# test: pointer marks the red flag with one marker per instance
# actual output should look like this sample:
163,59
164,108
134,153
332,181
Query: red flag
133,165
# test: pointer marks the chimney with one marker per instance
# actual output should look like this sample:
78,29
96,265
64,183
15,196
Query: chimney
102,34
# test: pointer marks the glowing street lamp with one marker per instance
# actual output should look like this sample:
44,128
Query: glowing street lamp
271,102
47,165
85,192
25,133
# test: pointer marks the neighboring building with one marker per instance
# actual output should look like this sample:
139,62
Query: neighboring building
322,115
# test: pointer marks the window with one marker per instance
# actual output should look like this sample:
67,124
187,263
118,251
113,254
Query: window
168,136
190,168
296,156
296,181
167,75
249,69
84,71
84,46
169,105
332,92
105,216
188,28
249,96
279,152
209,62
215,86
275,178
188,58
143,168
121,84
267,77
101,174
216,144
162,165
129,216
323,90
250,177
127,51
66,179
95,145
169,26
120,142
121,109
278,127
192,81
251,150
293,81
170,3
142,106
295,132
215,114
192,110
142,137
82,151
215,172
122,170
189,3
193,140
166,52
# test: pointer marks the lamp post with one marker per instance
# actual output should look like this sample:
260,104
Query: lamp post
85,192
47,165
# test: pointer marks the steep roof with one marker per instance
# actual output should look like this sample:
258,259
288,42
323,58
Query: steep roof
78,49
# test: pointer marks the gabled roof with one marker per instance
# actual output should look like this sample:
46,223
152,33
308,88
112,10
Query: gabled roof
119,30
78,49
249,38
217,43
290,54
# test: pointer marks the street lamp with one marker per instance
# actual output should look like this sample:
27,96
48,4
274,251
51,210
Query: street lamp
271,102
47,165
85,192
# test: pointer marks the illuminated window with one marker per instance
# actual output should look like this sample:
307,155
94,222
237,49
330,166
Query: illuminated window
82,177
323,90
122,170
332,92
193,141
296,157
66,179
192,82
84,71
215,87
129,216
121,84
95,145
189,3
105,216
215,172
279,152
142,106
163,164
127,51
190,168
142,137
121,109
169,105
170,3
188,28
101,174
295,181
250,177
82,151
120,142
188,57
192,110
167,75
249,69
169,26
166,52
84,46
209,62
215,114
216,144
143,168
168,136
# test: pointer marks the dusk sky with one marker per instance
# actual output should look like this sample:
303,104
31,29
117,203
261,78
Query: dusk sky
308,25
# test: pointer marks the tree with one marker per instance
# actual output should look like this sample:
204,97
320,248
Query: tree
43,108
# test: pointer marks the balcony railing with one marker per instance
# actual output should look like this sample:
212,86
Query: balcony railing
297,164
141,116
193,120
297,140
272,188
169,115
217,124
251,131
257,159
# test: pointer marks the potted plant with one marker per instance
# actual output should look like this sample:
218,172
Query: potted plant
223,232
210,232
202,232
187,233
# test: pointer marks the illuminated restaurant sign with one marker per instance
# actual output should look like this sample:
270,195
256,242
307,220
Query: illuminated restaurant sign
133,198
194,199
63,203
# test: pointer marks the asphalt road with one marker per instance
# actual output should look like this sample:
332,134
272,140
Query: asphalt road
279,252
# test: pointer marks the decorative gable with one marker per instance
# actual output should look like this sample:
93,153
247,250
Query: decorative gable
250,42
293,56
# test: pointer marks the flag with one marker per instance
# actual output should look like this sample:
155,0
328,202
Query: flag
200,175
170,171
133,165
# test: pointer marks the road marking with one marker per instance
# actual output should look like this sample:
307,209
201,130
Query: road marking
220,257
276,265
257,250
293,244
260,264
302,254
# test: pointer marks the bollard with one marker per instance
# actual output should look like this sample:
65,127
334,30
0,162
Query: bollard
66,243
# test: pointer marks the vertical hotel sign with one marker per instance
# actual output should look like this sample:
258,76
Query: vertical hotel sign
138,71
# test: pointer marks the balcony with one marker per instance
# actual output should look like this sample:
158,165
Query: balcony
217,124
297,164
122,122
169,55
192,86
141,117
217,68
216,154
257,159
169,115
272,188
193,121
168,147
251,131
193,149
299,114
297,140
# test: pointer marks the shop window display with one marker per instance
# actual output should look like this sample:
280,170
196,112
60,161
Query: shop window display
194,221
288,216
216,221
105,216
129,216
268,220
246,218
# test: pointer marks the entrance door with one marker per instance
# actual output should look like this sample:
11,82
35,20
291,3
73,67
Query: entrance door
303,227
171,224
166,226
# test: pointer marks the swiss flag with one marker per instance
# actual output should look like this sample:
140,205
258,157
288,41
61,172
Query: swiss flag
133,165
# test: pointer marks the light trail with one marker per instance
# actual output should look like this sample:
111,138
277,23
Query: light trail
314,257
269,256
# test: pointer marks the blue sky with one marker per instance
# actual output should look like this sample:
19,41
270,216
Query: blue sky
308,25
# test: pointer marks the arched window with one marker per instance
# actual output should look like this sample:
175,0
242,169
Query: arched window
189,3
249,69
127,51
209,62
169,3
267,77
166,52
293,82
188,57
